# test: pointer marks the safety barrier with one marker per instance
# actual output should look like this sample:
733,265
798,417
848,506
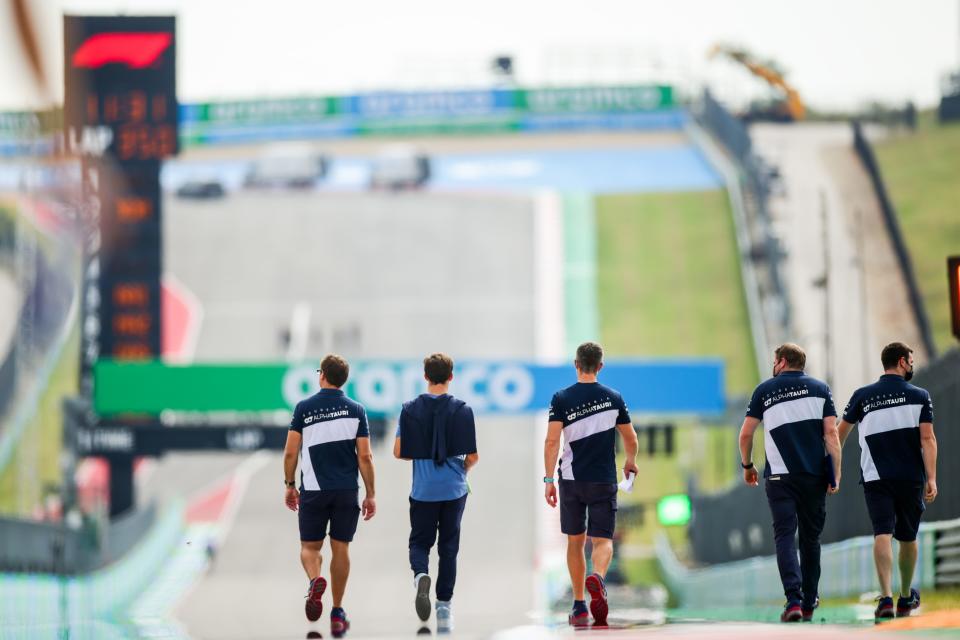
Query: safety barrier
38,600
865,152
51,547
847,569
760,245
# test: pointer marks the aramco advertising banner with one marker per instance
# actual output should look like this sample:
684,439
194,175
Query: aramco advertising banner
657,387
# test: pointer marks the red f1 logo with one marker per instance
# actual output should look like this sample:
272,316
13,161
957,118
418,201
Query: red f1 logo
136,50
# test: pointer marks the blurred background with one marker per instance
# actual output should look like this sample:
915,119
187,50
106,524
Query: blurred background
200,200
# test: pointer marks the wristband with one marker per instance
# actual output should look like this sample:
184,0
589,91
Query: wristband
290,484
747,466
546,479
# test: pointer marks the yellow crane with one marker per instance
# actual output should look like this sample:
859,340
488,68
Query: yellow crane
790,108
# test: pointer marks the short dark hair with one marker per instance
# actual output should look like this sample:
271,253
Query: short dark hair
589,357
335,369
438,367
891,354
794,355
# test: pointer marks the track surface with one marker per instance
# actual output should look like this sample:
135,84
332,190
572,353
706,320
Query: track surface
386,276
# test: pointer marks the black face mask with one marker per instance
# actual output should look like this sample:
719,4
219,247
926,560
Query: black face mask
908,375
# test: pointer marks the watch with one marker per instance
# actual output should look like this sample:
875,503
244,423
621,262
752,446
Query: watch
749,465
546,479
290,484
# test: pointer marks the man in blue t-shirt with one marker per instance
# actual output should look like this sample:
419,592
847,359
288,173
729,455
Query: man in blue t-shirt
798,415
898,460
330,437
588,415
439,492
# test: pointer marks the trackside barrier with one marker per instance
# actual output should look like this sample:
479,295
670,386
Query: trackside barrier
865,152
39,600
847,569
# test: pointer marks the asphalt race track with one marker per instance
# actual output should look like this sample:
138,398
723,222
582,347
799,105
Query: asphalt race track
398,276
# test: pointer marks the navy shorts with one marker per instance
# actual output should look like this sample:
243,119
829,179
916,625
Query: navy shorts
588,506
895,506
339,508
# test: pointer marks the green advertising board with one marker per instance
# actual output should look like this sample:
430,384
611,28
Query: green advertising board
628,99
264,111
495,108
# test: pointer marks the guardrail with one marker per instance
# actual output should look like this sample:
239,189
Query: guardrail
51,547
31,601
760,246
847,569
865,152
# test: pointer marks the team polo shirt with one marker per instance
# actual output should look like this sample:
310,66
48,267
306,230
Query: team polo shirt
330,424
589,412
792,406
890,412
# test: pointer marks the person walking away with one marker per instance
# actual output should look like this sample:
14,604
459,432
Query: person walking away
898,461
436,431
330,437
588,415
803,456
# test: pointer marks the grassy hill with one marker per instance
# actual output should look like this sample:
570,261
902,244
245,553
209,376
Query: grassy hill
922,172
668,284
669,280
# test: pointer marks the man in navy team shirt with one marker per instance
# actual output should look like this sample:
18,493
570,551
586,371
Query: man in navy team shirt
588,415
798,415
436,432
330,436
898,460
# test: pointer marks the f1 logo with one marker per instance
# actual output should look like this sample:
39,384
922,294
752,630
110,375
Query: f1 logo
136,50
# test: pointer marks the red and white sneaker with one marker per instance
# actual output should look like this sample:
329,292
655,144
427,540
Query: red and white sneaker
598,599
313,607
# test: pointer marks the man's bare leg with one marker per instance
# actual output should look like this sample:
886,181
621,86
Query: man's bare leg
339,569
883,558
577,564
310,557
602,555
908,564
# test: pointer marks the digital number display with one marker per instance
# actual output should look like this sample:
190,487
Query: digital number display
121,118
120,73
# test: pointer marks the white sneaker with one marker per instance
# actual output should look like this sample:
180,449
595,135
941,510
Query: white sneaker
422,603
444,617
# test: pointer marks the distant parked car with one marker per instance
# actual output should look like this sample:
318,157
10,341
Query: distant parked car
289,165
399,167
201,190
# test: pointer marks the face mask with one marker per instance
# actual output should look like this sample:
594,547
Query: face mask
908,375
775,372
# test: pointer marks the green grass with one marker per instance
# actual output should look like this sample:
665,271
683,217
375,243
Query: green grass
669,285
669,280
35,465
922,172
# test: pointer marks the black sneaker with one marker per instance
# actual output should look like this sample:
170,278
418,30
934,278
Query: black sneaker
808,611
884,610
906,605
792,612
